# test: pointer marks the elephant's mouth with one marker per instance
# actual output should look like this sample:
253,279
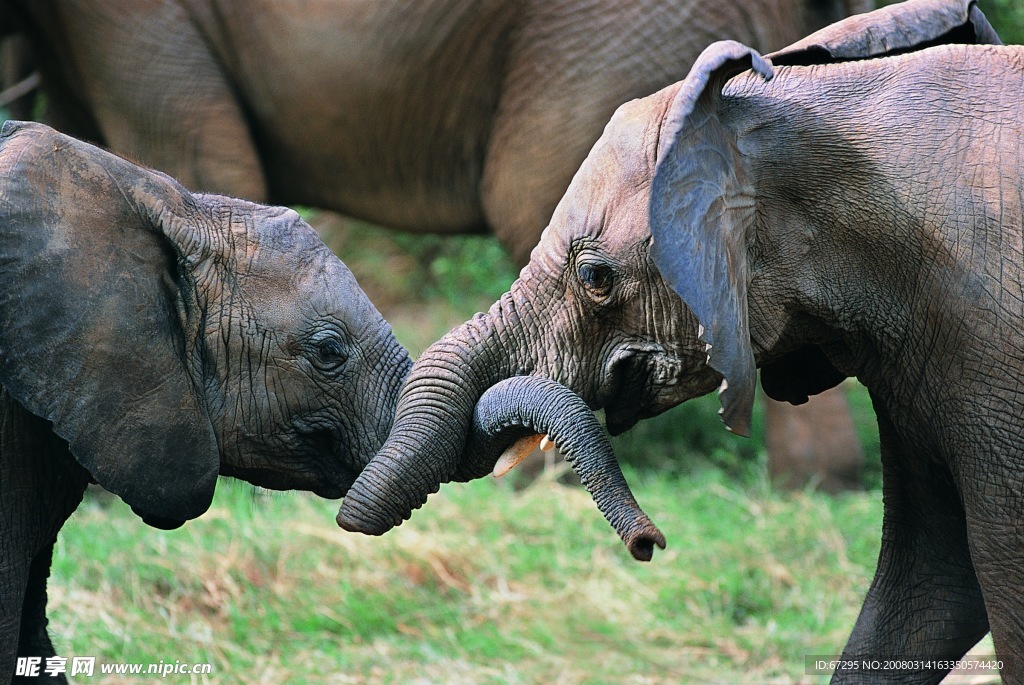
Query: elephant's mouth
319,463
334,488
636,378
333,479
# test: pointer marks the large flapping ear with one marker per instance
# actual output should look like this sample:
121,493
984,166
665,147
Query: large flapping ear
91,318
903,27
701,207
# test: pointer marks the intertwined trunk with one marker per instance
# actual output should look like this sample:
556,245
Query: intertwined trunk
432,421
465,402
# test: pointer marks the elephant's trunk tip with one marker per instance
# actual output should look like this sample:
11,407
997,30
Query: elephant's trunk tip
373,517
641,543
380,498
353,523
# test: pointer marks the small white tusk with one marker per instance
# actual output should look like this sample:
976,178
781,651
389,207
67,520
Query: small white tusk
546,444
723,387
700,331
515,453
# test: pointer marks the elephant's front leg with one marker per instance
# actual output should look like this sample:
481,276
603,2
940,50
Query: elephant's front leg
12,583
925,601
993,494
40,486
34,640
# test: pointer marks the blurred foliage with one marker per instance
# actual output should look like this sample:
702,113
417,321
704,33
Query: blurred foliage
1007,17
691,437
395,267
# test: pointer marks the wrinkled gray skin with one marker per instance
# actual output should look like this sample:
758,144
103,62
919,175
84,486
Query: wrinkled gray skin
150,339
441,116
858,214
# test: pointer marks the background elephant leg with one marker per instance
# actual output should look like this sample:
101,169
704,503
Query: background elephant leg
813,443
160,95
925,601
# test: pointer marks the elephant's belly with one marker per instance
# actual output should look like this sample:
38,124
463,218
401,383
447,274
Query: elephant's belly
414,199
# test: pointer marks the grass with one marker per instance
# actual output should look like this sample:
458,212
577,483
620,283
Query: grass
485,585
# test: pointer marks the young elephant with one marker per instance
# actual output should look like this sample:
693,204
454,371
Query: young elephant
853,210
150,339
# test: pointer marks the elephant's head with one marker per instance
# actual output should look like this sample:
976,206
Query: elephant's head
171,336
636,297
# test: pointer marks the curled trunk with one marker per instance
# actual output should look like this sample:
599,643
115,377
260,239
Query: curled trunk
432,422
512,409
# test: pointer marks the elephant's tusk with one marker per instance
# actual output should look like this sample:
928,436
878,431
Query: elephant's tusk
515,453
546,444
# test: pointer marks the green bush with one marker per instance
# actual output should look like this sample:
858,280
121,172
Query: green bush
1007,17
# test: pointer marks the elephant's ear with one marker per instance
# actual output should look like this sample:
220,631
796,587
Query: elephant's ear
701,207
91,318
903,27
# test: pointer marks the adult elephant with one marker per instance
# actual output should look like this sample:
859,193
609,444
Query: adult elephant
854,210
446,116
151,339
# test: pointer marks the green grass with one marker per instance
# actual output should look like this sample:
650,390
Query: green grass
484,585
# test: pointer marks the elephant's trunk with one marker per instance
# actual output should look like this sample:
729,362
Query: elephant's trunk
528,404
511,409
432,422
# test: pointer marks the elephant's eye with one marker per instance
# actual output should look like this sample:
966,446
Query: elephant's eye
329,352
596,278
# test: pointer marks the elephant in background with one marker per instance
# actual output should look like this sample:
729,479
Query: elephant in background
443,116
851,206
151,339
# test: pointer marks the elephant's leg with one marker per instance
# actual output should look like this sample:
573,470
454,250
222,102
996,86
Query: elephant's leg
996,530
813,443
34,640
925,601
161,96
40,486
13,579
